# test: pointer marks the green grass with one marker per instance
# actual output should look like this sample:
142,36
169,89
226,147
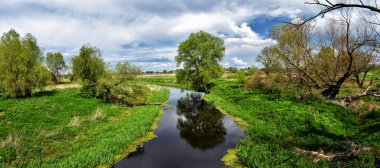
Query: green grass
277,127
62,129
162,81
160,96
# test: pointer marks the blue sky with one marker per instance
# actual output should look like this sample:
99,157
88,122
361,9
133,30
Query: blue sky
147,32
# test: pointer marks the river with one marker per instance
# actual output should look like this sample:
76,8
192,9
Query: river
191,134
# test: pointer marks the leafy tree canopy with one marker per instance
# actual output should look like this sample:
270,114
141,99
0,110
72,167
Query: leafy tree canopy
21,70
200,55
56,64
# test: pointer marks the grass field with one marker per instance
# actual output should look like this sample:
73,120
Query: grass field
162,81
276,128
61,129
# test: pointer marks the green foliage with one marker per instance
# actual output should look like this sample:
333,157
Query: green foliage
89,67
125,71
241,76
160,96
46,138
200,56
117,86
232,69
20,59
277,126
270,60
56,64
130,94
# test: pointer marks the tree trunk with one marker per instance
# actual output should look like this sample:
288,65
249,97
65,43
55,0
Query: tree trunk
331,91
358,82
205,87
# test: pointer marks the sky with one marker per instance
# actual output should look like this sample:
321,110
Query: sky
148,32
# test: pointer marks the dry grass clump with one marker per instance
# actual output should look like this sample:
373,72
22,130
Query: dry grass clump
46,134
62,86
98,114
154,87
74,122
321,155
11,140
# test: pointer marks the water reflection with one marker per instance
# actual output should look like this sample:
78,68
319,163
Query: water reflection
190,134
200,124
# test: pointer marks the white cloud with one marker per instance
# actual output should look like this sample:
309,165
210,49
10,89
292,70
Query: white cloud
159,25
238,62
163,65
291,12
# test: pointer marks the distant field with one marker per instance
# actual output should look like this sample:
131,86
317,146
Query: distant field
156,75
162,80
59,128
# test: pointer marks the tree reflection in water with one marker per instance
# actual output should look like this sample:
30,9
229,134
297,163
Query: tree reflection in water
200,123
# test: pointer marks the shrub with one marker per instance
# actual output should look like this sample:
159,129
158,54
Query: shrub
257,81
88,89
231,76
135,94
252,70
241,77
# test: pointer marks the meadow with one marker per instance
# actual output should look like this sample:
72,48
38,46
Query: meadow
59,128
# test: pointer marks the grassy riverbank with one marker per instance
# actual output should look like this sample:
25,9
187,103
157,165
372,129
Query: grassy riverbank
61,129
284,133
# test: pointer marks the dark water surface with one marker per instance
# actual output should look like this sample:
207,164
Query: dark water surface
191,134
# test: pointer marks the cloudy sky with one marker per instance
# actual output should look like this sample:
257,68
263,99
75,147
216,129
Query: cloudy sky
147,32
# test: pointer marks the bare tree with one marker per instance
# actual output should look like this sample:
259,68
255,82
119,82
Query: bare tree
329,6
341,49
365,62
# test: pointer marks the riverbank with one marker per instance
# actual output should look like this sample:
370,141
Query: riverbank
285,133
59,128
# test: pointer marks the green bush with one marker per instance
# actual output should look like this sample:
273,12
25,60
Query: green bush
241,77
88,89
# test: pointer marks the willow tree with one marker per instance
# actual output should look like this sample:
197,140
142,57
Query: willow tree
56,64
200,56
270,60
89,67
21,70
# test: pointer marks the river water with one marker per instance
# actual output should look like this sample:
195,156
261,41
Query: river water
191,134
